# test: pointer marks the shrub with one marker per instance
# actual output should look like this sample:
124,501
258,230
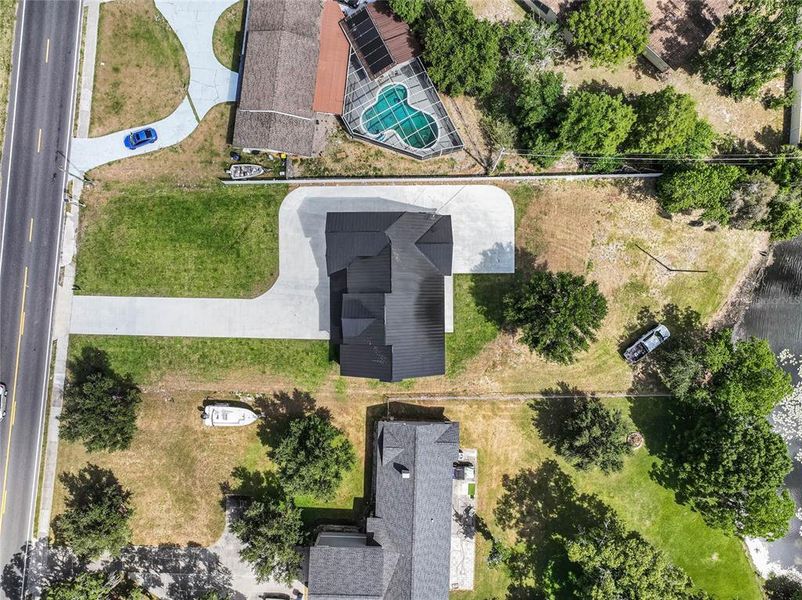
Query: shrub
784,219
557,314
704,186
595,123
738,64
610,31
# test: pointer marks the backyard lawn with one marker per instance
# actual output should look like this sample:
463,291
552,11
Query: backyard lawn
141,71
175,469
153,239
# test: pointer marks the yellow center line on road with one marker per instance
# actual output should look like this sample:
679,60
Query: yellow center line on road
39,142
47,51
30,231
13,398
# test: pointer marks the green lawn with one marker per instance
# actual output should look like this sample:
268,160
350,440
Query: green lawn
472,330
715,561
154,240
147,359
227,38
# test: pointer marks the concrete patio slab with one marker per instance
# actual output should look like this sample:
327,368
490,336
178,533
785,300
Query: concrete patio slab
210,83
297,306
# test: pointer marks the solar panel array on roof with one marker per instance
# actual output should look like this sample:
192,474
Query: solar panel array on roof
368,43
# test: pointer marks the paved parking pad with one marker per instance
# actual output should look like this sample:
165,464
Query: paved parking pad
297,306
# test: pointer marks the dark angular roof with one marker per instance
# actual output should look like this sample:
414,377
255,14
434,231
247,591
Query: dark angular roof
406,552
387,292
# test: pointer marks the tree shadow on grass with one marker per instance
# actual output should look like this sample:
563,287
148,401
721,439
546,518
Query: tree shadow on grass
280,409
685,326
490,290
551,412
544,508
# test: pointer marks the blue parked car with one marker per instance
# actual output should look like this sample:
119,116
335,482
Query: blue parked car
135,139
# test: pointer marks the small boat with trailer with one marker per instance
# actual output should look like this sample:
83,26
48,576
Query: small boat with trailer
245,171
223,414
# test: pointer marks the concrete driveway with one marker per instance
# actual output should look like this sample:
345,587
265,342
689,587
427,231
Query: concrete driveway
210,83
297,306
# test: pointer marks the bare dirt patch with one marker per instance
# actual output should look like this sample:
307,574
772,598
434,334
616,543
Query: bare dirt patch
141,71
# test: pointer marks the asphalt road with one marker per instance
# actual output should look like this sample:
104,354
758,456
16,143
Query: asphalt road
33,183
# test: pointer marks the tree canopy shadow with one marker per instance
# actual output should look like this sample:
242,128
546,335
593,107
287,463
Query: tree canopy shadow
42,567
490,290
543,508
551,412
94,361
280,409
685,326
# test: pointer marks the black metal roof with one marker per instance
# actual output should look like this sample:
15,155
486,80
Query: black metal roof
386,274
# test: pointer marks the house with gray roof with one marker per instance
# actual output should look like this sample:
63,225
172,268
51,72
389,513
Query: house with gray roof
387,290
405,549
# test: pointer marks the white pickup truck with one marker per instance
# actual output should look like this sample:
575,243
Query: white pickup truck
647,343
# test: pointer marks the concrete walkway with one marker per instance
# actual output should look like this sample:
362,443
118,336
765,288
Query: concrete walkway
297,306
210,84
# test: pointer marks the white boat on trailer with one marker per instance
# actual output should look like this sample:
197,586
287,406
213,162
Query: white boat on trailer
223,414
245,171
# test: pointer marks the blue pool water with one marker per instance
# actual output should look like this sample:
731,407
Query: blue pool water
392,112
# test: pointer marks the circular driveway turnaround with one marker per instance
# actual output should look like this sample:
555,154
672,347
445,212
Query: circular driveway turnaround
210,83
297,306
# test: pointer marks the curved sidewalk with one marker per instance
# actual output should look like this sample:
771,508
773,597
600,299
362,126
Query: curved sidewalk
210,83
297,306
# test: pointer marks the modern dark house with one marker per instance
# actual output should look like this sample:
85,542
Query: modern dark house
405,551
386,273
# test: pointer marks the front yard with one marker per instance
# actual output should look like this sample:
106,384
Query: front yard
141,71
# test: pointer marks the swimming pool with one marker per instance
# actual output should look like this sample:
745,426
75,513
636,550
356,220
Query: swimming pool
392,113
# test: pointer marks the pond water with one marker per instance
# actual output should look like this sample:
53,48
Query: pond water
776,315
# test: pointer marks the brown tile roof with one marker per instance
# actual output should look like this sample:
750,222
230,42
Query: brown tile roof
332,67
398,38
278,76
275,132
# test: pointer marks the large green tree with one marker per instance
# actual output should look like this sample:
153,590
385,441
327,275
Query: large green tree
270,530
757,41
593,436
100,410
96,516
732,471
557,313
313,456
538,112
704,186
462,53
784,218
667,123
595,123
725,460
611,563
610,31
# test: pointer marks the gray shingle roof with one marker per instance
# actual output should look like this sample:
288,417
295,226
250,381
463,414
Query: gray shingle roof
406,553
387,292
